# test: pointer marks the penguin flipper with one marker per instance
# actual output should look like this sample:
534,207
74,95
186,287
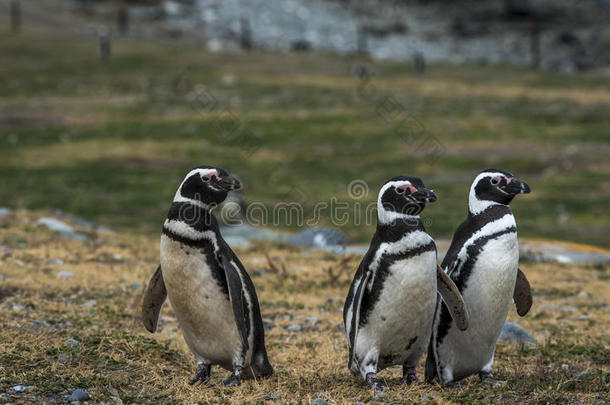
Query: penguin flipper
353,336
452,298
522,294
154,296
234,284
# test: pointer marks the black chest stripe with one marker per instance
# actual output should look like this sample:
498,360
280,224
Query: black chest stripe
370,298
206,249
461,280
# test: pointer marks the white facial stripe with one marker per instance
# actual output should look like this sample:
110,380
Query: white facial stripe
179,198
475,205
202,172
385,216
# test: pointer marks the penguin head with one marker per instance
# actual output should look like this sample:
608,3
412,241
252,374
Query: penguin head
402,197
206,184
494,186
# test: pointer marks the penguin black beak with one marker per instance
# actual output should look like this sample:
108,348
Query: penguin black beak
517,187
424,195
229,183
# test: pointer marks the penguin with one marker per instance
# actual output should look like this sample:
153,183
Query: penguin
390,305
483,261
210,291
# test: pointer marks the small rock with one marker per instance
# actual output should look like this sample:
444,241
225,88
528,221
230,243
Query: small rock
62,358
5,396
78,395
584,295
584,317
380,396
19,262
135,286
117,257
72,342
565,366
319,401
4,211
511,332
559,308
17,308
497,383
54,262
582,374
563,259
273,397
65,274
320,238
20,388
295,328
40,323
90,304
312,320
61,228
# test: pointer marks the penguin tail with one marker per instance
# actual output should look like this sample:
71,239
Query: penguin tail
430,371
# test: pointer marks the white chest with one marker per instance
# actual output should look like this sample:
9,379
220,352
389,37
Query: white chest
202,308
490,287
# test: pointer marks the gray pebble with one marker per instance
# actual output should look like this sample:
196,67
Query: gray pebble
273,397
40,323
4,395
295,328
61,227
135,286
65,274
582,374
380,396
559,308
584,317
320,238
312,320
90,304
511,332
20,388
62,358
55,262
72,342
319,401
78,395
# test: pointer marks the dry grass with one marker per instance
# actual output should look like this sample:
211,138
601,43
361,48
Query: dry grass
117,358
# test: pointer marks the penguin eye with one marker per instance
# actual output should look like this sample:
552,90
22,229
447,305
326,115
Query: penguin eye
496,180
401,189
207,177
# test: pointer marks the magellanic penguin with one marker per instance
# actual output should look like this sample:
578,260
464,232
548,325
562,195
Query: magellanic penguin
390,306
483,261
208,287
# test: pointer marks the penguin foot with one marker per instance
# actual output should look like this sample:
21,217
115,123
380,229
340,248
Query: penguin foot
486,376
203,374
234,379
408,375
373,382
